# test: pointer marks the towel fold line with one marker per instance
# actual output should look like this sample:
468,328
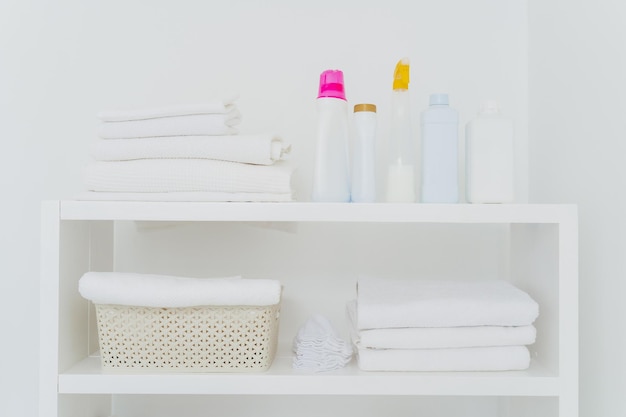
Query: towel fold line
212,106
501,358
260,149
389,303
181,196
185,125
438,337
187,175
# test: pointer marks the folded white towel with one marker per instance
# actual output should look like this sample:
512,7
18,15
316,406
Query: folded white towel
385,303
501,358
172,175
187,125
199,196
215,106
262,149
439,337
318,346
148,290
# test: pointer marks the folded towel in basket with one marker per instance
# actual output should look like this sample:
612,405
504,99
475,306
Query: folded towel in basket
385,303
215,106
171,175
148,290
262,149
501,358
440,337
186,125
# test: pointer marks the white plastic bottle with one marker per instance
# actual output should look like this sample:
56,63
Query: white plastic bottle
331,176
401,168
363,160
440,125
489,157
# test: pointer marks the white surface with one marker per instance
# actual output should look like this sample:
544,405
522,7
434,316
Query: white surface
281,379
315,212
577,155
326,286
62,63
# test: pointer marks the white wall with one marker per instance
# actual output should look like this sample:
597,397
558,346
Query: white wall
62,61
578,154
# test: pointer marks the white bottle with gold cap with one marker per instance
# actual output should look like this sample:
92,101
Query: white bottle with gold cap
364,156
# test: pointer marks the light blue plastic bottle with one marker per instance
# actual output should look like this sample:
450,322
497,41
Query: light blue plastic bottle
440,126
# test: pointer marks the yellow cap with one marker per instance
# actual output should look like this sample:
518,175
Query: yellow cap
401,75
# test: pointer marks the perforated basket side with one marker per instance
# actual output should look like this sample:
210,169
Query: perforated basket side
191,339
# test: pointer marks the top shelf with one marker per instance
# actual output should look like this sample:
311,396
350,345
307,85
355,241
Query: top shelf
316,212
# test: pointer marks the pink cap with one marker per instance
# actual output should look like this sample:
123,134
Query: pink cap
331,84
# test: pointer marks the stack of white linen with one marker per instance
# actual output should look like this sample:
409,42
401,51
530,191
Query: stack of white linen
402,325
319,348
186,153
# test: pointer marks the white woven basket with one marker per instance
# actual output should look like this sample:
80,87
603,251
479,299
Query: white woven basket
190,339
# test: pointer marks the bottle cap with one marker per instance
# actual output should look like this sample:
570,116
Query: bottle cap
439,99
365,107
489,107
401,75
331,84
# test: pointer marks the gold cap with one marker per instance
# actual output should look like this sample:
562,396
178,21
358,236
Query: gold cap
365,107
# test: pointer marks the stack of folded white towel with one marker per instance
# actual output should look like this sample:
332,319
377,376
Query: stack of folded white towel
149,290
319,348
402,325
186,153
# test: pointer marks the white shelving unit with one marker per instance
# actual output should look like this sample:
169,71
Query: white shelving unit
533,246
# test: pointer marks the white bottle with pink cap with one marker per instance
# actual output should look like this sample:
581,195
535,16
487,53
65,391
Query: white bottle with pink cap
331,176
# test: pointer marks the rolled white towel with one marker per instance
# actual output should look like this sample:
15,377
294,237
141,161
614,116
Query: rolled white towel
187,125
501,358
212,106
149,290
439,337
173,175
385,303
262,149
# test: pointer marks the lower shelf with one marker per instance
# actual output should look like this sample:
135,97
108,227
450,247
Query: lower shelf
87,377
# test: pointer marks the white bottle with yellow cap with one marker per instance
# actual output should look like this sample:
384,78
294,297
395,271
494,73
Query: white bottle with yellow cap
363,160
401,168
